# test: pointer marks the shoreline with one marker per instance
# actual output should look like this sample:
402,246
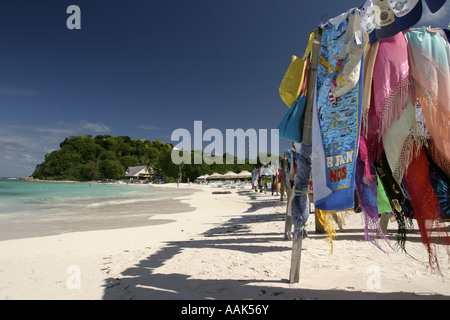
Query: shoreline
231,247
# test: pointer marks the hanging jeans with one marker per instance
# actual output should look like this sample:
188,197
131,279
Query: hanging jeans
300,202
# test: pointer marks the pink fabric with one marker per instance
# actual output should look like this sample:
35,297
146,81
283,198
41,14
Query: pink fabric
391,84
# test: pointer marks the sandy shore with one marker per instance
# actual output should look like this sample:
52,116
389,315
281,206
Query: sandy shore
230,247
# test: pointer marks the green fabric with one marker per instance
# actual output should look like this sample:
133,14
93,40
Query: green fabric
384,204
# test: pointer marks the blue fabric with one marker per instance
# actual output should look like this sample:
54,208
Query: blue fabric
291,126
338,119
300,202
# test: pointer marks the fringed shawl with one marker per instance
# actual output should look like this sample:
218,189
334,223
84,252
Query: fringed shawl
430,56
327,218
398,142
426,206
391,86
366,188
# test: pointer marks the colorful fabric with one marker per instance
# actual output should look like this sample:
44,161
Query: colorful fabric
430,62
441,185
366,187
382,199
400,203
391,88
426,206
338,120
370,56
383,19
327,218
398,142
300,201
294,78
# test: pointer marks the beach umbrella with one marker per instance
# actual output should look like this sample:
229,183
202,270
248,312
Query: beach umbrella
230,175
215,175
244,174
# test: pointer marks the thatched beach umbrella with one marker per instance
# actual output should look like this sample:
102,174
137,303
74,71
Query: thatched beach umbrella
244,175
215,175
230,175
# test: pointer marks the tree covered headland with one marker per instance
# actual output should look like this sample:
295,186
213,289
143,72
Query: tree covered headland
86,158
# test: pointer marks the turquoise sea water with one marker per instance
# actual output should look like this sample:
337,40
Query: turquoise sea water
31,208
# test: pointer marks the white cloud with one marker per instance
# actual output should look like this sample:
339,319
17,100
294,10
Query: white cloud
23,147
148,127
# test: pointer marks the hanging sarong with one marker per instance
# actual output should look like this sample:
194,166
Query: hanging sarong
400,203
366,187
430,57
441,185
300,201
426,207
384,206
336,120
398,142
391,87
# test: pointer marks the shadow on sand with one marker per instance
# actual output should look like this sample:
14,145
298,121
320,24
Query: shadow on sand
143,282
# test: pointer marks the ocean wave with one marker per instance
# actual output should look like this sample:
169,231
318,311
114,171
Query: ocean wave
118,202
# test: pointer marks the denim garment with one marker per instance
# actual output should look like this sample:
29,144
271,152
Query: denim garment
300,202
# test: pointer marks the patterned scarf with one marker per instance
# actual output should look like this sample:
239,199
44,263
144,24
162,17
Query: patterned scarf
338,117
441,185
430,56
400,203
366,187
391,86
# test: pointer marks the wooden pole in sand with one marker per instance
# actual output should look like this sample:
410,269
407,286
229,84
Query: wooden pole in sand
312,75
294,275
283,179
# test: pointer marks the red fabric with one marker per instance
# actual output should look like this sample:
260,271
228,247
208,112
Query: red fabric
426,206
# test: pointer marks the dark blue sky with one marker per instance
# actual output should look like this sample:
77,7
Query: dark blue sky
144,68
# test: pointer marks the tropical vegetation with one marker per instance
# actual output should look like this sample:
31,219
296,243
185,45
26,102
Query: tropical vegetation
87,158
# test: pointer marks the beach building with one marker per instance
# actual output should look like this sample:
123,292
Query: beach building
140,172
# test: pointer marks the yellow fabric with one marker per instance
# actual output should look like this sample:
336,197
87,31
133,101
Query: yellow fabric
292,82
326,219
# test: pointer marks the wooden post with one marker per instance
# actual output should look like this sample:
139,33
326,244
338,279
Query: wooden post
288,221
312,75
319,226
294,275
283,177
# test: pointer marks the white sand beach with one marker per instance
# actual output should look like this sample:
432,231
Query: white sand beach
230,247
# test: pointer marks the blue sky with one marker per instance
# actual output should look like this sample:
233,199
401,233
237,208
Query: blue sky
145,68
